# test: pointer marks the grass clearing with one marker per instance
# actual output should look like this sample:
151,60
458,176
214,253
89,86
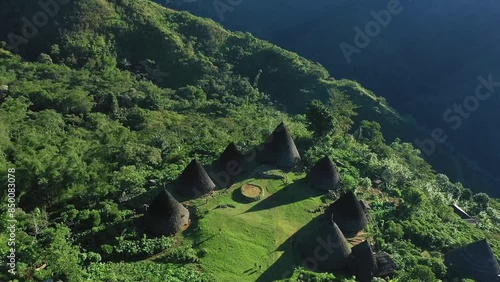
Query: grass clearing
236,241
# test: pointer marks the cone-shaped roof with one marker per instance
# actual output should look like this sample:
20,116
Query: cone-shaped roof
280,148
194,181
458,210
385,265
328,246
165,215
324,175
365,206
230,162
475,261
348,214
363,264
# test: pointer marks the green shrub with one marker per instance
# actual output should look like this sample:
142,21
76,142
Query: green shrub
44,59
395,231
349,183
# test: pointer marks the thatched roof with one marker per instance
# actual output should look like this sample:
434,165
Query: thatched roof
365,206
324,175
475,260
362,262
327,247
458,210
229,165
194,181
165,215
385,265
348,214
280,149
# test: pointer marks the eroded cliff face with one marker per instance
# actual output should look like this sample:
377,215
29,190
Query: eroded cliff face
425,59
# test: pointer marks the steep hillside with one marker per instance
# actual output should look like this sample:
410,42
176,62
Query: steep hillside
427,58
196,52
104,106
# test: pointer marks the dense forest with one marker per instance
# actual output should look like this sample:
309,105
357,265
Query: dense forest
427,59
103,105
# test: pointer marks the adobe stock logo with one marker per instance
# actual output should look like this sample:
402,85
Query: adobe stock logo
456,114
222,7
30,28
372,29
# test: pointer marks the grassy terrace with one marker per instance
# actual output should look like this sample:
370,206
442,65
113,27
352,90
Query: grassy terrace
257,233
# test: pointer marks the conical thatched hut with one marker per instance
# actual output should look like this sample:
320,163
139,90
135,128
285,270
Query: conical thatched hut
362,262
229,165
365,206
324,175
475,260
386,267
348,214
326,248
194,181
165,215
458,210
280,149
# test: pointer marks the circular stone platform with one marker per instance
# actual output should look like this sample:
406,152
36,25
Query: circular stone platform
252,192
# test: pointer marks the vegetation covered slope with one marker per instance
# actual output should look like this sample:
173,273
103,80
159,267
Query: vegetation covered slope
425,58
112,99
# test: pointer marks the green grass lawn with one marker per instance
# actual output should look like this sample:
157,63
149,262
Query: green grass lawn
254,233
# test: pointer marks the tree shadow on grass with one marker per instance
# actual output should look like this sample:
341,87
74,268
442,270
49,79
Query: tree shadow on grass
294,192
291,257
249,270
238,197
197,244
251,273
294,255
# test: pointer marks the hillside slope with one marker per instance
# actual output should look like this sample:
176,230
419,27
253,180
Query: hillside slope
198,49
110,100
426,59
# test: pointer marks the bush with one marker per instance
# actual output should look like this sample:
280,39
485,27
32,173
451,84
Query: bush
143,247
419,273
365,182
303,275
203,252
349,183
481,200
395,231
44,59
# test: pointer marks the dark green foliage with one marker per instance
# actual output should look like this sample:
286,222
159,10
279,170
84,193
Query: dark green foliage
415,197
170,248
154,272
370,132
420,274
304,275
482,200
394,231
321,119
44,59
333,117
